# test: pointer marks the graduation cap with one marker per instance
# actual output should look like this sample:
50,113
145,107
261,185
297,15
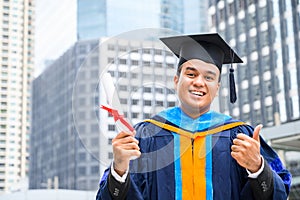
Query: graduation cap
210,48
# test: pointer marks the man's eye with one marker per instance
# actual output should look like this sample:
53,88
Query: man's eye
209,78
190,75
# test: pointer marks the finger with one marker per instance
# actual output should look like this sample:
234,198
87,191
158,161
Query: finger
124,140
123,134
256,132
234,148
130,146
242,136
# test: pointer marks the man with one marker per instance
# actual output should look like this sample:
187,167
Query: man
190,152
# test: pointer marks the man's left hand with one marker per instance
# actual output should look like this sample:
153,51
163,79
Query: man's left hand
246,150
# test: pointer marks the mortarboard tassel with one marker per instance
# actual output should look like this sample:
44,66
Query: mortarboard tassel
232,86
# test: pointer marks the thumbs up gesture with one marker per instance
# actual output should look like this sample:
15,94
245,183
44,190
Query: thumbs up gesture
246,150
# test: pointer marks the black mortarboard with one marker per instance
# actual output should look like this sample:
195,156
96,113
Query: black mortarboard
209,47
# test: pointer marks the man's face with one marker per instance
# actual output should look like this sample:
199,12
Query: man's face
196,86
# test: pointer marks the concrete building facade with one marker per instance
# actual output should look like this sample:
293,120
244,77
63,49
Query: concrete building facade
266,35
16,73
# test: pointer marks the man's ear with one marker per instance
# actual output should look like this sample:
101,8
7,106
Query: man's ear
218,89
175,79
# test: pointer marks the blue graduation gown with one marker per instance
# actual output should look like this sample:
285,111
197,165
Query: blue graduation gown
162,172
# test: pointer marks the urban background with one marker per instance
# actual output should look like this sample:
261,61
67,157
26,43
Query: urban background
54,139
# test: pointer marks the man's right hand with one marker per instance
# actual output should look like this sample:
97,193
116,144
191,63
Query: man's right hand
125,146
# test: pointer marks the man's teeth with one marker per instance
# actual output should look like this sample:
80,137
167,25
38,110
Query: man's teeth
197,93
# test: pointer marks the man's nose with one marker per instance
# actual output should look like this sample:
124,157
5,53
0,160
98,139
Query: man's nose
199,81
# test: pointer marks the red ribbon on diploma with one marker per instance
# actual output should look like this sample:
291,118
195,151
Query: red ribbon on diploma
117,116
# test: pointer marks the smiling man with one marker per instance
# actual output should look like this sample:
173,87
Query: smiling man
189,151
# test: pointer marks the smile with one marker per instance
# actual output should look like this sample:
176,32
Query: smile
198,93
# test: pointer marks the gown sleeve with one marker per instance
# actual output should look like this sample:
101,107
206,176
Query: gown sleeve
136,185
274,182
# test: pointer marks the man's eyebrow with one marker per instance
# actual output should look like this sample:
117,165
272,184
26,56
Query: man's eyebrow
211,72
190,68
207,71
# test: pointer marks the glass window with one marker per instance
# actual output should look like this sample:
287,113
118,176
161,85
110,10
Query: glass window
110,155
82,156
147,102
94,170
82,171
256,91
111,127
254,68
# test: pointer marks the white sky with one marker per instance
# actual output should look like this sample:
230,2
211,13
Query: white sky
55,30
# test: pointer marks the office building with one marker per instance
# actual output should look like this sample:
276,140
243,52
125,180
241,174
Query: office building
100,18
184,16
16,72
97,18
266,35
268,42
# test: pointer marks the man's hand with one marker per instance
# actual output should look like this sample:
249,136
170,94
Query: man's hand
125,146
246,150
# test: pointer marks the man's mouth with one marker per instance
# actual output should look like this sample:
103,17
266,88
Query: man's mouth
198,93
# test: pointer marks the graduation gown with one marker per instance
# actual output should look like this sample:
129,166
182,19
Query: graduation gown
185,158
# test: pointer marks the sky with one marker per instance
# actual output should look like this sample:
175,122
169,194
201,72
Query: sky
55,30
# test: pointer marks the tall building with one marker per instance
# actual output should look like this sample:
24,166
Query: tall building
16,67
184,16
96,18
91,19
71,137
268,81
54,145
100,18
266,35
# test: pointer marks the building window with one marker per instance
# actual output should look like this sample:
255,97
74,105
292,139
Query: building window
257,117
147,102
266,63
111,47
122,61
222,14
135,115
171,104
241,4
147,115
111,127
159,103
134,102
110,155
94,128
122,48
231,8
94,61
269,113
134,62
244,95
82,157
123,87
94,170
82,171
110,141
146,51
254,68
256,92
82,49
147,89
123,101
158,52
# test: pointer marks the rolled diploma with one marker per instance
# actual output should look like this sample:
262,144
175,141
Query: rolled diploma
113,99
114,102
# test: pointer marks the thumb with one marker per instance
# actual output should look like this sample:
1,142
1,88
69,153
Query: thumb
256,132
